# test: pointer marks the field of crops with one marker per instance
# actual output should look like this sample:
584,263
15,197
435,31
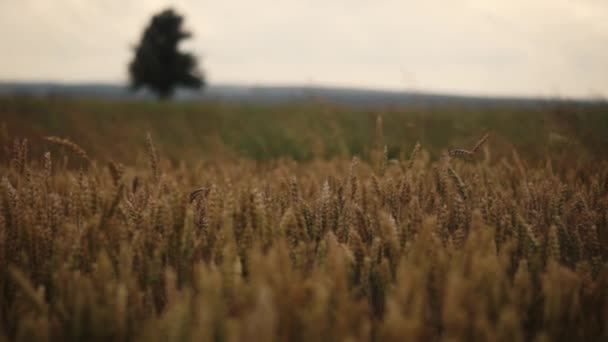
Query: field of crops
179,222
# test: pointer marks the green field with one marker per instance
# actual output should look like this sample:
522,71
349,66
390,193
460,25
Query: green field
170,221
303,131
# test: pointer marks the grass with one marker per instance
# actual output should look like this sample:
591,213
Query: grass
217,222
303,131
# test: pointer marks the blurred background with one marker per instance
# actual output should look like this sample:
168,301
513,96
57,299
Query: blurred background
288,78
491,47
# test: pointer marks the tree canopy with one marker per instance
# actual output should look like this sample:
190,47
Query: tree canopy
158,64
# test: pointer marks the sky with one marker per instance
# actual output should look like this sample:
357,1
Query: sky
473,47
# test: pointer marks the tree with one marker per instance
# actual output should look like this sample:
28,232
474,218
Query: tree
158,64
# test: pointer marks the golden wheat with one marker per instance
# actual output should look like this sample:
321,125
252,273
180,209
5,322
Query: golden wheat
324,250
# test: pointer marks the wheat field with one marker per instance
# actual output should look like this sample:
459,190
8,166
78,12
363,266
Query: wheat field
450,245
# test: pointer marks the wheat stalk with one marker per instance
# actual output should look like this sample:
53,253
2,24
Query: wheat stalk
204,192
79,151
152,157
468,154
413,156
116,170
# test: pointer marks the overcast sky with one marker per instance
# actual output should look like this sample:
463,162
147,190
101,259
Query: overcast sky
491,47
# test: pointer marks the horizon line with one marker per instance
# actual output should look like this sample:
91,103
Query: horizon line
328,86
